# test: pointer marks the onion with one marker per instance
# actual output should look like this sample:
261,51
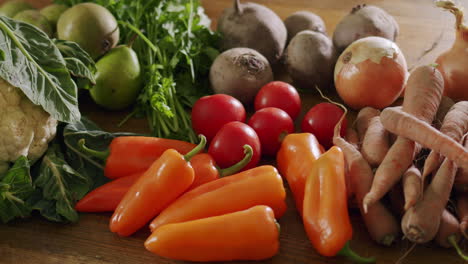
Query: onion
372,72
453,64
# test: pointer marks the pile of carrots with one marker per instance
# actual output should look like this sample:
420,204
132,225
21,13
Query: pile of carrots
419,185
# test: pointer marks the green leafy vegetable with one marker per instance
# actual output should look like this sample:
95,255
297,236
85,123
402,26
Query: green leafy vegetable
34,64
78,69
95,137
65,174
61,187
78,61
15,188
176,48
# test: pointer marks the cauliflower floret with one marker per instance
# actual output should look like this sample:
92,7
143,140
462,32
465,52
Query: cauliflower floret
25,128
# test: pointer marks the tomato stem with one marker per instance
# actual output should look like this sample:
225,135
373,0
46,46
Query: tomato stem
196,149
248,151
346,251
102,155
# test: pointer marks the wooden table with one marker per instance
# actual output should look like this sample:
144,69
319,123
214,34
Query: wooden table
89,241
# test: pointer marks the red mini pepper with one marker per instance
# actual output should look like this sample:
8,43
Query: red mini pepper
106,197
325,212
166,179
133,154
206,169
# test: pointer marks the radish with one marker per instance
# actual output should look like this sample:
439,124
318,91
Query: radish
364,21
241,73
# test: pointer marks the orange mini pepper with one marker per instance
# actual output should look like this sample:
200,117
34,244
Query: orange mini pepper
325,212
108,196
258,186
295,160
166,179
252,234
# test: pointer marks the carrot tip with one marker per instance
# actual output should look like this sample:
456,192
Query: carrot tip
409,204
368,200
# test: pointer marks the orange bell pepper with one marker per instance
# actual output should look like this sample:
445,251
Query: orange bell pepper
258,186
166,179
325,212
295,161
252,234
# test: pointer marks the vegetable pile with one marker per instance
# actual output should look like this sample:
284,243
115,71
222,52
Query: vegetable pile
175,49
398,163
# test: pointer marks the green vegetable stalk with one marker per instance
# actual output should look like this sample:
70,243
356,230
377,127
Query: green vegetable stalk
176,48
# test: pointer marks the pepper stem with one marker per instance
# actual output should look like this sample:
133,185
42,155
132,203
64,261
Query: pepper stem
453,242
248,151
196,149
346,251
102,155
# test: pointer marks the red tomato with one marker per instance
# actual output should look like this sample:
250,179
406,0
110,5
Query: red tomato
212,112
227,147
271,125
280,95
320,120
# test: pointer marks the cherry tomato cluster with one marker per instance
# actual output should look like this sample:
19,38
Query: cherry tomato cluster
222,119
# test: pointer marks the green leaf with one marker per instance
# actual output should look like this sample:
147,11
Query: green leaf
79,62
35,65
78,69
15,188
61,186
95,137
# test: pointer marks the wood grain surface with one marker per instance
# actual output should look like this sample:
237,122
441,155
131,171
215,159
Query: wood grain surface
89,241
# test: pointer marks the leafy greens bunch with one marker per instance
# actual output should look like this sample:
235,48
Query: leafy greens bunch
176,48
47,72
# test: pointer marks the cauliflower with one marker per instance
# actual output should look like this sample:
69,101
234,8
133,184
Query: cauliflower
25,128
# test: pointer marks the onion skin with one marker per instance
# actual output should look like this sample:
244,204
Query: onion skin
370,72
453,64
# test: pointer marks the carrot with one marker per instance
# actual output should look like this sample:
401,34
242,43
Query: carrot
397,200
412,186
352,137
403,124
445,104
449,233
421,222
461,179
462,208
375,144
380,223
362,120
422,97
449,226
455,124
